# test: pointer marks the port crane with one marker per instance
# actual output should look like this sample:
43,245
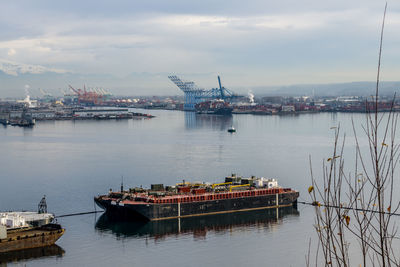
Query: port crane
47,97
88,96
45,93
195,95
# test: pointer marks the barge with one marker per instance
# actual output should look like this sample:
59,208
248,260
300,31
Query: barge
236,194
27,230
29,237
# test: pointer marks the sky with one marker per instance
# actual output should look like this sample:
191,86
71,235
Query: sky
131,47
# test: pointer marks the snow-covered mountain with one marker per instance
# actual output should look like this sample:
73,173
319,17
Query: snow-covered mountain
15,77
14,68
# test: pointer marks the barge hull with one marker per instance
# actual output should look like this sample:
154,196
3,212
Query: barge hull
30,238
157,211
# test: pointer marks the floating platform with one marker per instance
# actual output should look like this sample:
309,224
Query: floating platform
189,200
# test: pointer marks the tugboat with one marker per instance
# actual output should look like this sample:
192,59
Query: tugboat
25,230
236,194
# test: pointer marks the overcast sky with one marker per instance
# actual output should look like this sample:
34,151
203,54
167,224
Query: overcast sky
249,43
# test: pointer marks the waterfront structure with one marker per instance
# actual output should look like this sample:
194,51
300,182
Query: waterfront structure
88,97
195,95
28,102
93,113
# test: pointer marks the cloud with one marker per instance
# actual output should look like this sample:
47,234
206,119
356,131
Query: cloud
268,42
281,21
11,52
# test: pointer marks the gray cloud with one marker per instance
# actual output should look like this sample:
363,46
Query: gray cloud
253,44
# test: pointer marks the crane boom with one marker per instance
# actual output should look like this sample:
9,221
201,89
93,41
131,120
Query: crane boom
195,95
214,185
235,186
221,89
75,91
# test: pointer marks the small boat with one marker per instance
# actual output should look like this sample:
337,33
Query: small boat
231,130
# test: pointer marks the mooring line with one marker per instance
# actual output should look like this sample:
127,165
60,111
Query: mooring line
77,214
318,204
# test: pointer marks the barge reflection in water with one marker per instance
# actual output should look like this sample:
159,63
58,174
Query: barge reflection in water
198,225
30,254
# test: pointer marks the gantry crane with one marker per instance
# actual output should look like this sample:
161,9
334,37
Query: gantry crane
195,95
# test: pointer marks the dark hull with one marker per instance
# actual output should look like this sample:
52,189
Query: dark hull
216,111
156,211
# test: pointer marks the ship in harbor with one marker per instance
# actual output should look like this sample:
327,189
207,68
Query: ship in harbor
214,107
235,194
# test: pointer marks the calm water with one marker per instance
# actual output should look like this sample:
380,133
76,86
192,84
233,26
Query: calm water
70,162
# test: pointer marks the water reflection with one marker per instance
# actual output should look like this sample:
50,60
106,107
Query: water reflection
29,254
215,122
334,117
198,226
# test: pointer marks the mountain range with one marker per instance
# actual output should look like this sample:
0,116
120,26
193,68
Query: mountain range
364,88
16,78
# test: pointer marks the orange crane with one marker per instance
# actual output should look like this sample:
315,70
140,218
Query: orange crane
87,96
